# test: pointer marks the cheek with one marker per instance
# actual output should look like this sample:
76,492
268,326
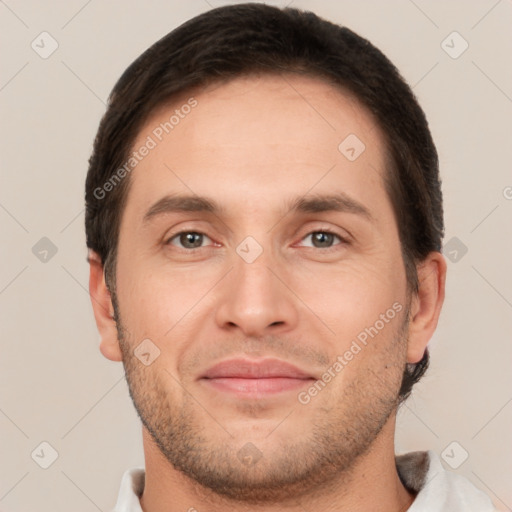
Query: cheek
160,302
352,295
148,307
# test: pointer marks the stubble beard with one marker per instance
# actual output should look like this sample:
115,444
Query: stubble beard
338,434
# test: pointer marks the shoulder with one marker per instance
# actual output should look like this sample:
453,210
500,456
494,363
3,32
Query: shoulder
438,489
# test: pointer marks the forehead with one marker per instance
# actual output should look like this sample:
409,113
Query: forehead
274,101
259,136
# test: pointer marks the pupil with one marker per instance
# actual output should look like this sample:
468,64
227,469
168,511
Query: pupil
188,239
323,239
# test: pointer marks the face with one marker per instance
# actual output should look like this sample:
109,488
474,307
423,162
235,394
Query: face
259,255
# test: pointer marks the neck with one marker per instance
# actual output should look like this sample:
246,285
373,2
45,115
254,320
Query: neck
373,484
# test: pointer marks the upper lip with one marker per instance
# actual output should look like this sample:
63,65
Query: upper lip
255,369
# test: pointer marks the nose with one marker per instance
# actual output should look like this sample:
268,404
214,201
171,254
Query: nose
256,299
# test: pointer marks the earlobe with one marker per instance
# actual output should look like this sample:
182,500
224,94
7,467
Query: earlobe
426,304
103,309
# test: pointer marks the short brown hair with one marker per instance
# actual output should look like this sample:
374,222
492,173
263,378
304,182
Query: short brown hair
232,41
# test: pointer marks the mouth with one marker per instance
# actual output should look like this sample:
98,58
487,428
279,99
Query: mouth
255,378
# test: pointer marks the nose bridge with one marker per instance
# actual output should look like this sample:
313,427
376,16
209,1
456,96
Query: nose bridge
254,282
255,300
254,275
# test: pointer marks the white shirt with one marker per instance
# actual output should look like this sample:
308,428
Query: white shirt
422,472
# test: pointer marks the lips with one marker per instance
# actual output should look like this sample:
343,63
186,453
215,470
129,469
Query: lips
264,369
255,379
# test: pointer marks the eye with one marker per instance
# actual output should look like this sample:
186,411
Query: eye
194,240
323,239
188,240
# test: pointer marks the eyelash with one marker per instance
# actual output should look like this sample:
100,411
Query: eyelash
343,241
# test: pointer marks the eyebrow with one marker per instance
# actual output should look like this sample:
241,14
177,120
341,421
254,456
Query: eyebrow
318,203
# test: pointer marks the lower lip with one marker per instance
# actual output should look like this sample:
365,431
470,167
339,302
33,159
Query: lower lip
257,387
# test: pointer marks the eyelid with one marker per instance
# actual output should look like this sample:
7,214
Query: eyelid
344,240
342,233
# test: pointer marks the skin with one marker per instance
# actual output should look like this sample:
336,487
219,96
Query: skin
253,145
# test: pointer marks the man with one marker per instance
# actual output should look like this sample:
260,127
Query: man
264,219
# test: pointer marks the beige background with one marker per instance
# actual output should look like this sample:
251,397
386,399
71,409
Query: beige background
55,386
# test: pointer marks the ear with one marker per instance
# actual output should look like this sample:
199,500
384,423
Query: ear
103,309
426,304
